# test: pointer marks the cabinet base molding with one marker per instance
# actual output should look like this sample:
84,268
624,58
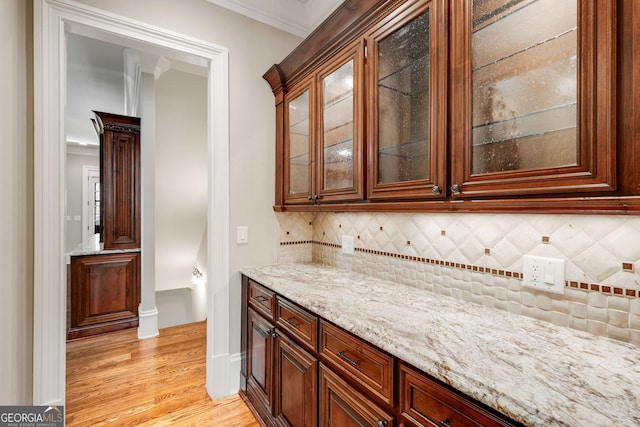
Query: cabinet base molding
98,329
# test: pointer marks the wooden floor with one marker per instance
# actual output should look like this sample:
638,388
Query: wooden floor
116,379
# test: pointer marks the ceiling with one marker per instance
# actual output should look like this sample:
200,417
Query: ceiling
299,17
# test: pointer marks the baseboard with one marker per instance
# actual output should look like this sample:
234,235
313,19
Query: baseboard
235,361
148,323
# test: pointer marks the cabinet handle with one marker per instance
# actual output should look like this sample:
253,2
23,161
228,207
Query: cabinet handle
290,321
455,189
445,423
344,357
309,197
436,190
260,298
381,423
274,334
316,197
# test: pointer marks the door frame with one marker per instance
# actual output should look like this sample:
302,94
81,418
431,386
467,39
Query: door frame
52,19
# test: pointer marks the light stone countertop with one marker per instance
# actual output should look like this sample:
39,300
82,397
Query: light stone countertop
532,371
92,246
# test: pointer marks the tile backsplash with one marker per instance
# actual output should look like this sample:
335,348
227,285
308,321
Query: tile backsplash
479,258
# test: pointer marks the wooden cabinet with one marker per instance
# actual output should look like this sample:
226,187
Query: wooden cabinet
105,293
426,402
535,98
323,146
407,100
120,180
343,406
300,370
296,390
465,106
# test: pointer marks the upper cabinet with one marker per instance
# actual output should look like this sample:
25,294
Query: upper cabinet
324,132
407,87
534,99
462,105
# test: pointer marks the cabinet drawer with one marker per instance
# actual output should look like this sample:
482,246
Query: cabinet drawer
359,360
299,323
425,402
261,299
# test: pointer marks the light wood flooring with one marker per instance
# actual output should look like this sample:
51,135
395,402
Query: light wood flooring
118,380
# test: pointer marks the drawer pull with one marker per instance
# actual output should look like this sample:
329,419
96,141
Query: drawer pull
260,298
381,423
445,423
293,323
344,357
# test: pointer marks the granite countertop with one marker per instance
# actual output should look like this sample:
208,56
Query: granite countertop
532,371
92,246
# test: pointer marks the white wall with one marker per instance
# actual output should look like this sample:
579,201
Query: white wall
181,176
74,206
253,48
16,193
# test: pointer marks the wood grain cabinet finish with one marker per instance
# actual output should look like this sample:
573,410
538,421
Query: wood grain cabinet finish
288,380
295,400
425,402
105,293
341,405
357,359
120,178
259,363
466,106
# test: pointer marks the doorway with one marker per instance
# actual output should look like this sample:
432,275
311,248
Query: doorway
90,201
53,19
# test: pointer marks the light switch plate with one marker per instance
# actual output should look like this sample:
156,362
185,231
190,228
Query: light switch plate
348,245
545,274
242,235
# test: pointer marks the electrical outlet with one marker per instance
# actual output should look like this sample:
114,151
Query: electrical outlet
348,245
546,274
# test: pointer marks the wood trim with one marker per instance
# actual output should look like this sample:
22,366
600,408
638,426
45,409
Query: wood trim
576,205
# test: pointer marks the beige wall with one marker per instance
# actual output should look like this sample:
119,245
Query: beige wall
16,193
181,176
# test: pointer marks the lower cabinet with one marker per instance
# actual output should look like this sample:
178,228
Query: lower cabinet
295,400
104,293
343,406
302,371
425,402
260,363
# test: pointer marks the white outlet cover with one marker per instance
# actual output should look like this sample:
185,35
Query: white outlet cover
348,245
545,274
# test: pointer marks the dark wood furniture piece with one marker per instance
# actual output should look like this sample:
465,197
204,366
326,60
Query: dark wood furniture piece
105,293
120,180
301,370
442,105
105,286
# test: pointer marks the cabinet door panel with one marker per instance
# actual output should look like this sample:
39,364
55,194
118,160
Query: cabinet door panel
105,293
406,119
534,97
296,396
260,363
298,154
340,137
342,406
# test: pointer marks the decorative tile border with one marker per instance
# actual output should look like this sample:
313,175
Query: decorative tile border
594,287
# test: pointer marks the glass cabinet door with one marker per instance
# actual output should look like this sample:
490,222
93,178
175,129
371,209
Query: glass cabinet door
408,95
529,84
339,86
298,153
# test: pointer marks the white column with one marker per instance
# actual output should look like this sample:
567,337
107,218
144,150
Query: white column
147,311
